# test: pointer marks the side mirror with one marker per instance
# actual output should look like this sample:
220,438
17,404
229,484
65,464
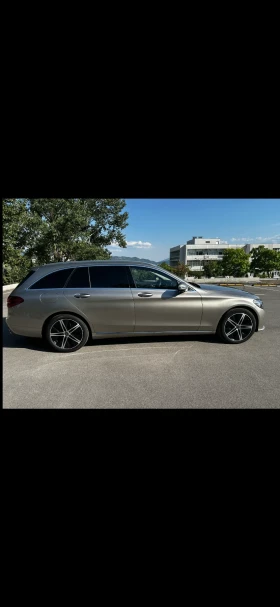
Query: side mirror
182,287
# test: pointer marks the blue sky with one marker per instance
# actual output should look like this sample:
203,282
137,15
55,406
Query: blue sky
155,225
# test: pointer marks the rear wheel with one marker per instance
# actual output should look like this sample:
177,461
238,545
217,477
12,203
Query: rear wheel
237,326
66,333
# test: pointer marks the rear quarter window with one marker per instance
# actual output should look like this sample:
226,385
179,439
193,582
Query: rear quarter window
26,277
55,280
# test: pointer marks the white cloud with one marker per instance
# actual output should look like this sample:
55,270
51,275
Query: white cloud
136,244
270,239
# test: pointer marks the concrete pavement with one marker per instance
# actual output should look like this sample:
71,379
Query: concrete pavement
164,372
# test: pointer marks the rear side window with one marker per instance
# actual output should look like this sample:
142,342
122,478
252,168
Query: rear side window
79,279
109,277
26,277
55,280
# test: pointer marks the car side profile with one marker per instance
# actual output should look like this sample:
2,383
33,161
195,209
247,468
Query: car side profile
71,302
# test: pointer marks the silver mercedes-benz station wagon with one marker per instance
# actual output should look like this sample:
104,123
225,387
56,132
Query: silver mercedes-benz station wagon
68,303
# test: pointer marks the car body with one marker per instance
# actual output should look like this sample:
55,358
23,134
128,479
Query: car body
70,302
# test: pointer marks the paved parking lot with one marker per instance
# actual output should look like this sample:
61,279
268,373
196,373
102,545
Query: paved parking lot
163,372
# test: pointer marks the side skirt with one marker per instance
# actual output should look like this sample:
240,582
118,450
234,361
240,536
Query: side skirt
147,334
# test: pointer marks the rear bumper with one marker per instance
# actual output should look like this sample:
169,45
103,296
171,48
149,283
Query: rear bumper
18,327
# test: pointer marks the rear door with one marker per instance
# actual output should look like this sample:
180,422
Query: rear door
159,306
103,294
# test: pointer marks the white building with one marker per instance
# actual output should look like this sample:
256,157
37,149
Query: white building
198,250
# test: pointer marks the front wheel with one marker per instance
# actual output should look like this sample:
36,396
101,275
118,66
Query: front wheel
66,333
237,326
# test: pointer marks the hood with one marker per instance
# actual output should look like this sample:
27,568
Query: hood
227,291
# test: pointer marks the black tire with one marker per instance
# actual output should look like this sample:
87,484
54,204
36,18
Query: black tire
72,330
243,332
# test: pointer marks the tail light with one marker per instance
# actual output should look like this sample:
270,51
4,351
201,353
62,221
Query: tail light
13,300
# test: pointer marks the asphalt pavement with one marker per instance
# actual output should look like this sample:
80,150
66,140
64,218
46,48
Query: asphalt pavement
144,373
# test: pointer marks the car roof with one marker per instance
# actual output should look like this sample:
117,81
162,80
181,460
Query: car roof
95,262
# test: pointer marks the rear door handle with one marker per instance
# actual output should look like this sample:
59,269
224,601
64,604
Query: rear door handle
145,295
80,295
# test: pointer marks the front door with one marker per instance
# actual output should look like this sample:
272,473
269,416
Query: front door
103,295
159,306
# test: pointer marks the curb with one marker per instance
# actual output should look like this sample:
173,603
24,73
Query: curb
9,287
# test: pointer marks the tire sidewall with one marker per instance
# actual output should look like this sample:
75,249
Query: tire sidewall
70,317
221,329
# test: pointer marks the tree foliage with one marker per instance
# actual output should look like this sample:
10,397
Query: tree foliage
264,260
212,268
15,238
180,270
58,229
235,262
77,228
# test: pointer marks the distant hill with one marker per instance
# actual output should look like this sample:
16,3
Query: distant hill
165,261
125,258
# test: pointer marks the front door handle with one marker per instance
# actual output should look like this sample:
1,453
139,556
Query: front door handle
145,295
78,295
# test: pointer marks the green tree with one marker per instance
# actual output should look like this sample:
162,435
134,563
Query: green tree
182,270
15,239
264,260
76,228
213,268
179,270
235,262
57,229
167,267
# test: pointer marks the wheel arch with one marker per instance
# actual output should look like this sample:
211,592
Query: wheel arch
65,312
245,308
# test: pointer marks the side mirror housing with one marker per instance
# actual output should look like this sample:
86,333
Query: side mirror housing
182,287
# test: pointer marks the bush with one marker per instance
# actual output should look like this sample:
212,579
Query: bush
199,274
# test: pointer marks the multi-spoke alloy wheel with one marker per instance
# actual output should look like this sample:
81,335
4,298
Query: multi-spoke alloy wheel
66,333
237,326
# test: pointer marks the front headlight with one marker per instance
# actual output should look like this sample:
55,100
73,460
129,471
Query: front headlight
258,302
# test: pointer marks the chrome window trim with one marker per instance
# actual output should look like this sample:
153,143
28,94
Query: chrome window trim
127,266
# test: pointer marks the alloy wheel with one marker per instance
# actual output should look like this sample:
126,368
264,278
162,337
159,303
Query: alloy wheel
238,327
66,333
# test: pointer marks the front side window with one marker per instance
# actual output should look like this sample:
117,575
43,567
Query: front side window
79,279
55,280
109,277
152,279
